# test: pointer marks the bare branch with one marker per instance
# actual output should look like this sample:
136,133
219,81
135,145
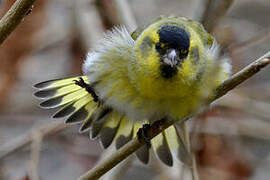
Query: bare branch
242,75
14,16
161,125
34,156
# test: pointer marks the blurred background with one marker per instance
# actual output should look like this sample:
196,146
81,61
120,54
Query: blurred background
231,141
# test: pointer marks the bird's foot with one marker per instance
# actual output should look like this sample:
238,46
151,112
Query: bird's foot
81,83
88,88
143,135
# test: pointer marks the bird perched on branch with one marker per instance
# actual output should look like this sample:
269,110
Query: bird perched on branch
162,70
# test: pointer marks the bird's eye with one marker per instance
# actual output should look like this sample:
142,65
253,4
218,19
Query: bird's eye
183,53
161,48
158,46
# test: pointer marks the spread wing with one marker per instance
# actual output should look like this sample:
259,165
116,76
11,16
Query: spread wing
78,106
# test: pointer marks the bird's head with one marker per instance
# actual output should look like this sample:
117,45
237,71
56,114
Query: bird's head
169,46
172,47
169,53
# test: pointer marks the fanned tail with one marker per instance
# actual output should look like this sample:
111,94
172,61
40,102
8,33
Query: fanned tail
78,106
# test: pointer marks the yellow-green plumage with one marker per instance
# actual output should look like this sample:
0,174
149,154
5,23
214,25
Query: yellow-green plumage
125,71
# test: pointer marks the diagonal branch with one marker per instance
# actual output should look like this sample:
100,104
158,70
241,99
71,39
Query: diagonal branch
14,16
161,125
242,75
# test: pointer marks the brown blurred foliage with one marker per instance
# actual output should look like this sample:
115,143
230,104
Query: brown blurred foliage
108,13
218,155
18,45
24,178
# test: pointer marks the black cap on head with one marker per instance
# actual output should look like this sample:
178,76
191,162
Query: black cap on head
174,37
173,47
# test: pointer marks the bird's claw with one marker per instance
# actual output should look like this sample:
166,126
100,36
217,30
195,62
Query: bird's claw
80,83
143,135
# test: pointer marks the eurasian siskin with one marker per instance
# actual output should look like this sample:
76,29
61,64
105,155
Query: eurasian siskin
162,70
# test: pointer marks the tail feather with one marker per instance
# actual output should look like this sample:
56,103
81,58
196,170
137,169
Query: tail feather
64,99
65,111
109,129
59,92
91,108
79,115
177,145
56,92
99,117
80,112
57,83
183,153
73,106
125,132
161,148
143,152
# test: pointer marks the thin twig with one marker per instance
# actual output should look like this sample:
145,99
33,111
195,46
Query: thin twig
34,156
118,171
242,75
27,138
161,125
14,16
193,168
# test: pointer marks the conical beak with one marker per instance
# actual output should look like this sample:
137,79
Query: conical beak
172,58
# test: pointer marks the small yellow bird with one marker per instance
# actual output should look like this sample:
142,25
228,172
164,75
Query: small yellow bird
162,70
